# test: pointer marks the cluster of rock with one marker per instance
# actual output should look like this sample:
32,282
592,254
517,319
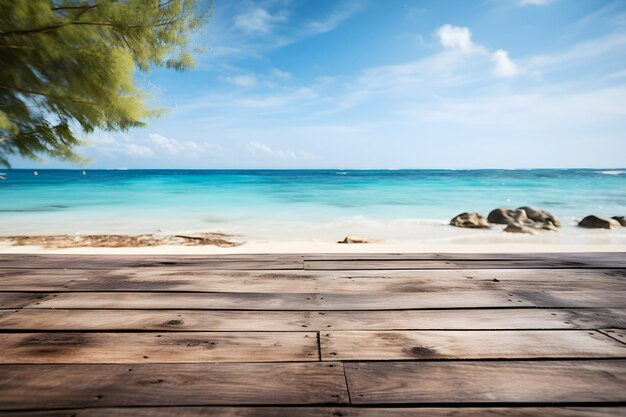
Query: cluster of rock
529,220
520,220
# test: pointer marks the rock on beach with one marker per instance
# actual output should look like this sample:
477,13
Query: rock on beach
597,222
470,220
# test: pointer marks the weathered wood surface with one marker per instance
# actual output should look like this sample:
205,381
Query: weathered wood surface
510,344
151,278
17,299
486,382
469,256
198,262
320,301
296,261
69,386
327,412
179,347
193,335
593,259
450,261
312,301
617,334
441,264
238,320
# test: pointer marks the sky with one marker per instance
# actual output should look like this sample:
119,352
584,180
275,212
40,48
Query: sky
365,84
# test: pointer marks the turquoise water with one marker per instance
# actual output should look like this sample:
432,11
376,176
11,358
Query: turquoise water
308,204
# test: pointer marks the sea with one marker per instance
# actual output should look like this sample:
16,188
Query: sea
306,205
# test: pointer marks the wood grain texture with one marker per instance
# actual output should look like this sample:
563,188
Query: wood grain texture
487,382
237,320
327,412
71,386
292,301
617,334
510,344
323,301
179,347
190,262
388,264
17,299
341,261
579,257
179,279
95,336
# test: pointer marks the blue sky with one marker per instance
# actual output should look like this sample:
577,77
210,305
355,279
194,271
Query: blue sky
389,84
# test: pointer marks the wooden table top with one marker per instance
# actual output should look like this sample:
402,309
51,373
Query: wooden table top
330,335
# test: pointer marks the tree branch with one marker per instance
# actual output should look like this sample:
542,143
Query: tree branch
108,24
39,93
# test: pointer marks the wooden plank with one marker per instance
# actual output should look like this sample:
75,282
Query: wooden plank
68,386
419,256
180,279
327,412
486,382
295,261
503,344
583,256
341,301
566,298
179,347
460,264
381,264
203,262
557,262
17,299
156,279
617,334
237,320
261,301
580,259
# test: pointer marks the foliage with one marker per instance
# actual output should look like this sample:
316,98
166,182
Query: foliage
69,65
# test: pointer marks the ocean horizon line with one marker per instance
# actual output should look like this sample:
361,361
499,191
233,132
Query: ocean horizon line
318,169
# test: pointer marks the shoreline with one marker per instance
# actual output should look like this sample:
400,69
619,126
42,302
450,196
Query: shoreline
301,246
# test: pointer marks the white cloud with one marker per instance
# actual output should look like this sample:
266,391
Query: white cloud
242,80
258,148
101,139
252,28
587,51
137,151
504,66
534,2
118,144
335,18
457,38
281,74
257,20
286,98
167,145
538,110
171,146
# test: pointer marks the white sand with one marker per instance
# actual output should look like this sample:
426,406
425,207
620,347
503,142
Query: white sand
263,247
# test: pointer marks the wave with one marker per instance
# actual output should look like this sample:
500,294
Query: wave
616,172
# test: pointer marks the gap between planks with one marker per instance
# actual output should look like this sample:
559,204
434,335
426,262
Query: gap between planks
442,411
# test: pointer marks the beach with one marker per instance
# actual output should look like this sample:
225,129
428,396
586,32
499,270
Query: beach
265,211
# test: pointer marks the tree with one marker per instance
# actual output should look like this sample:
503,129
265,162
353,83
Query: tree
69,65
